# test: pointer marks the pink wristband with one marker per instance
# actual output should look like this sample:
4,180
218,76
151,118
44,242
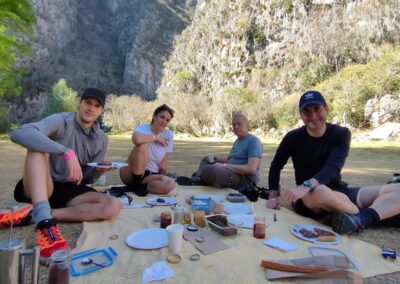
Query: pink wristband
69,155
225,165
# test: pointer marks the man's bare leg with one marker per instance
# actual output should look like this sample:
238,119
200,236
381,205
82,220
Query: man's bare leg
324,198
90,206
159,184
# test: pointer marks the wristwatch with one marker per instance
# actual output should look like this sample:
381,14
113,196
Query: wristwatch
308,184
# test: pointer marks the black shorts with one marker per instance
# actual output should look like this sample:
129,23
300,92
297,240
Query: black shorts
142,189
303,210
63,192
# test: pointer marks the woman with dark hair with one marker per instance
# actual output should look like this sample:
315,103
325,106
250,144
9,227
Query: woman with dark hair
148,160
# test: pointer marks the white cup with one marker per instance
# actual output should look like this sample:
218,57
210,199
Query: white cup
210,158
175,232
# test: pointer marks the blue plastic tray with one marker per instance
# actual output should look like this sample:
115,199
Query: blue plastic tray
101,256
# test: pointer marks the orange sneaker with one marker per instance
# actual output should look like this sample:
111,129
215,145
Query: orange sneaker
49,238
22,217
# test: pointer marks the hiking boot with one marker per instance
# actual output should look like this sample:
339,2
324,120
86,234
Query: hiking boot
343,223
22,217
49,238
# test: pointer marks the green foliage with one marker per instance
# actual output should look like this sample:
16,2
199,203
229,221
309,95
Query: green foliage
185,81
314,73
287,5
350,89
260,37
5,123
286,111
61,99
16,21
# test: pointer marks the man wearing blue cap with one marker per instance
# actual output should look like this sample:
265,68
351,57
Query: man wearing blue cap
318,151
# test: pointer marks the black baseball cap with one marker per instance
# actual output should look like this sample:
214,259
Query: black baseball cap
96,94
311,98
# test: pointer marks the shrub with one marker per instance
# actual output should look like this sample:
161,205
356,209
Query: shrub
286,111
5,123
349,90
185,81
61,99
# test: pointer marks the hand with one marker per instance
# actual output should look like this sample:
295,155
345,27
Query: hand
162,140
273,203
294,193
74,170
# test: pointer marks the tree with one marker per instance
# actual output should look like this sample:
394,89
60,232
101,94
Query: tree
16,21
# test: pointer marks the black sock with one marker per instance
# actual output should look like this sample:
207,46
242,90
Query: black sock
136,180
137,187
368,216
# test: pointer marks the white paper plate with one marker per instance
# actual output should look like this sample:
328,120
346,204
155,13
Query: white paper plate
296,231
242,220
151,238
167,201
214,197
235,208
113,165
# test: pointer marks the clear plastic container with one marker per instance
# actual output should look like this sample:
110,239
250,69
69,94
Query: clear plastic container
219,223
236,197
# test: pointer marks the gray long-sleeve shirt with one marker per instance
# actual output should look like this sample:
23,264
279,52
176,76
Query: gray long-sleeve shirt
56,132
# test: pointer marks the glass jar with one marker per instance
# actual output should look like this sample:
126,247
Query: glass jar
178,215
198,218
59,267
259,228
186,217
165,219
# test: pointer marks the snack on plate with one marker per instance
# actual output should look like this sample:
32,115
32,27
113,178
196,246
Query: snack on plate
322,232
160,200
330,238
308,233
104,163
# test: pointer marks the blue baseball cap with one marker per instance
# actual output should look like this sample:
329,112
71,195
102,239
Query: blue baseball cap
311,98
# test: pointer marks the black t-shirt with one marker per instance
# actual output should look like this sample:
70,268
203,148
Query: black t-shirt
321,158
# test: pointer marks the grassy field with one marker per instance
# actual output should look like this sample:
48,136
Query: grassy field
368,163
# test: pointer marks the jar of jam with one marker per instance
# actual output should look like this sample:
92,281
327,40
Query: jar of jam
259,228
165,219
198,218
59,267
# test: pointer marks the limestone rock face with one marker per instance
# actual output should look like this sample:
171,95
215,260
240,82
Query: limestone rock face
116,45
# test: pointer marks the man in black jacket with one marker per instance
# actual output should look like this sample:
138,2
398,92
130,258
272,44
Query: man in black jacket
318,151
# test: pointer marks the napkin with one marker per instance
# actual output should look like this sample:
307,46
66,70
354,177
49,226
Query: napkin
158,271
280,244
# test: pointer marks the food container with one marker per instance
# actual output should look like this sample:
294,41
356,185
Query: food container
236,197
219,223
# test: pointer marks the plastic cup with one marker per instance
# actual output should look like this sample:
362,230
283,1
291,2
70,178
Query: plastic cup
175,232
210,158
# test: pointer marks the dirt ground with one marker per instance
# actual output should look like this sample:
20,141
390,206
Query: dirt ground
368,163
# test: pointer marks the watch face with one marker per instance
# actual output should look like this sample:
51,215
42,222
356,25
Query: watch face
307,183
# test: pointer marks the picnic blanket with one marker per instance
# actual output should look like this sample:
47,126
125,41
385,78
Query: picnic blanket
238,264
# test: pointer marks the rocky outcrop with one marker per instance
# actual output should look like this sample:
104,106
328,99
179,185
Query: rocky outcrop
117,45
278,47
383,110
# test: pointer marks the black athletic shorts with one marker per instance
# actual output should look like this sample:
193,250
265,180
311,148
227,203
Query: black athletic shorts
63,192
142,189
301,209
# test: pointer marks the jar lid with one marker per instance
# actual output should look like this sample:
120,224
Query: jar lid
195,257
174,258
192,228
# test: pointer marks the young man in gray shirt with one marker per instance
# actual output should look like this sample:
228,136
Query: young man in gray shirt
55,172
